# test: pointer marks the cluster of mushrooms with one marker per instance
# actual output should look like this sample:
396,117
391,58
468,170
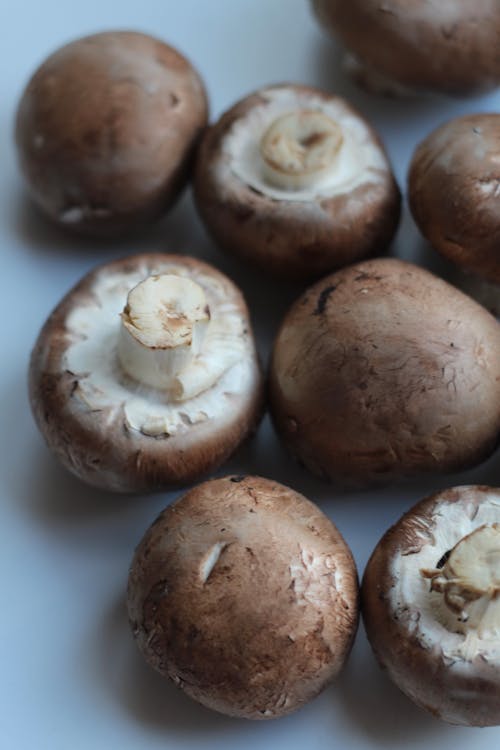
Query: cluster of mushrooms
146,377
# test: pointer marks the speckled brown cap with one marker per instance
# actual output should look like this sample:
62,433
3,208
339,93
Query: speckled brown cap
245,594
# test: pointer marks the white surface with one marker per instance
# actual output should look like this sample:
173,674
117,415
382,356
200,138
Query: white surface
71,676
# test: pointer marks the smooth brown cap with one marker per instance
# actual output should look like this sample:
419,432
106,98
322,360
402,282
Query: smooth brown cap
383,370
454,192
106,128
450,46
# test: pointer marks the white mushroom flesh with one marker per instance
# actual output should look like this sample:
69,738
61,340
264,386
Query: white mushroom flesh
163,327
300,148
223,368
469,582
356,159
458,613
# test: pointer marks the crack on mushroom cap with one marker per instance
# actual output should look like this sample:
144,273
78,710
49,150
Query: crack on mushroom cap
420,610
93,331
359,161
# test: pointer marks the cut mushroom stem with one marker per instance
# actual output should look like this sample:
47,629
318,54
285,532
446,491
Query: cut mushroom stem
469,582
299,149
163,327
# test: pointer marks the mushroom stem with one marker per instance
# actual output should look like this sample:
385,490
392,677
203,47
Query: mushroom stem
162,329
299,149
469,582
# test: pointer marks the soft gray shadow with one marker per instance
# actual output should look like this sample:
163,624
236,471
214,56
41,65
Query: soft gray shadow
330,75
151,699
37,483
268,298
378,709
63,497
39,234
267,457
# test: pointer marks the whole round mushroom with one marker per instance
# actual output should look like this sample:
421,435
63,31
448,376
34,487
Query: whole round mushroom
295,181
454,194
399,47
246,596
381,371
145,376
431,604
105,131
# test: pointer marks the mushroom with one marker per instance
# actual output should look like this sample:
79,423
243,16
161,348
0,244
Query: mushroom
454,193
383,370
246,596
398,47
145,376
295,181
105,131
431,604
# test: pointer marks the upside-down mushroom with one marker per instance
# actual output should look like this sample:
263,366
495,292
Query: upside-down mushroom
146,376
431,604
295,181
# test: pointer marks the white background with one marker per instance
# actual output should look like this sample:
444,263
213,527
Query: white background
70,674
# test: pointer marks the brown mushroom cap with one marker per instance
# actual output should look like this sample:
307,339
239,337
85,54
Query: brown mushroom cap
454,192
382,370
245,594
106,128
450,46
98,437
275,231
422,656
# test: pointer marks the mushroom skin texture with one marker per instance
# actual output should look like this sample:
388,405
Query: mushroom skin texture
448,47
382,371
245,595
305,231
106,130
119,434
454,193
427,648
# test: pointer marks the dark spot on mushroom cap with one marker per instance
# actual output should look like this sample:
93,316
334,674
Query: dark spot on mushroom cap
238,478
323,299
443,560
